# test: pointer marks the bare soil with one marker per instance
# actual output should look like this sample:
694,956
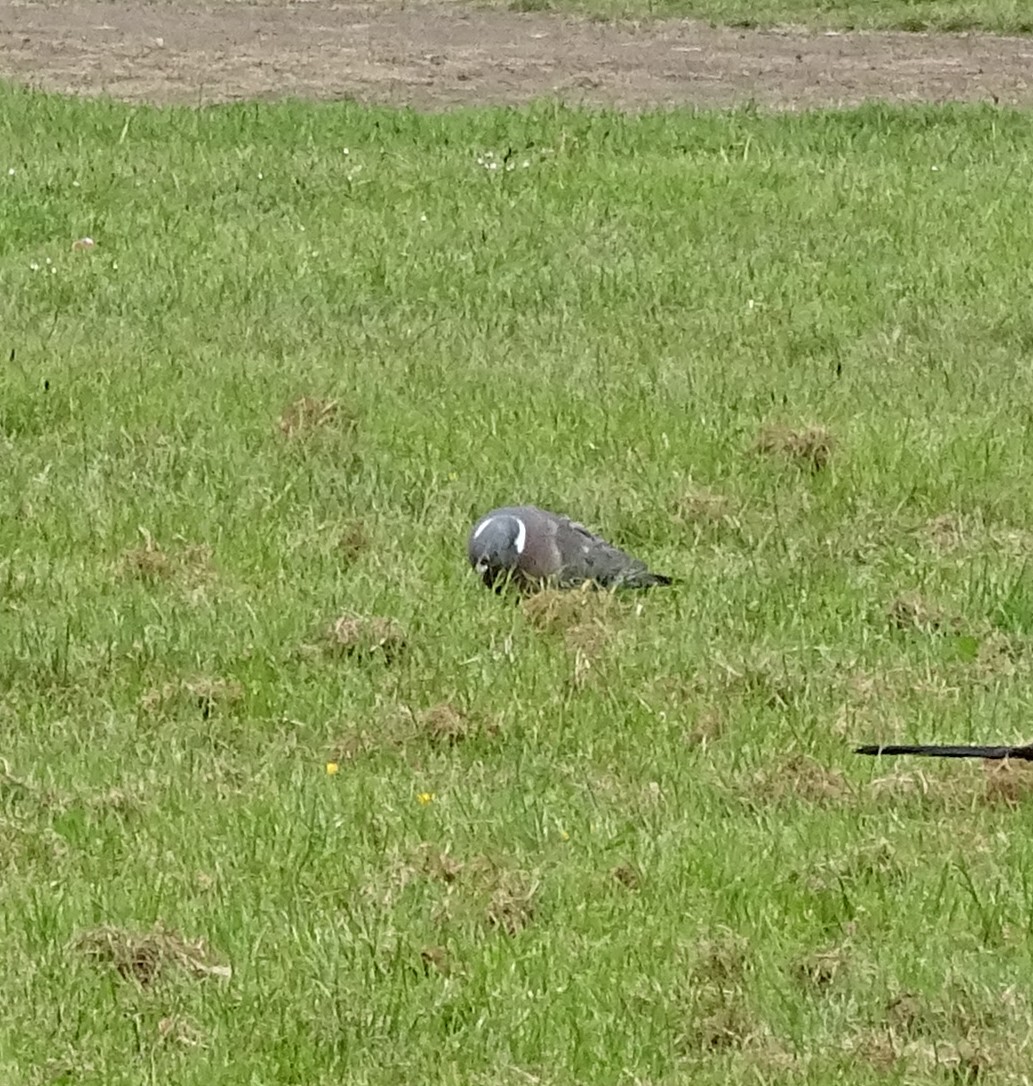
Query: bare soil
434,55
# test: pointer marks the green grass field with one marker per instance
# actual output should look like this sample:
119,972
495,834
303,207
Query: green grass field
784,358
1003,16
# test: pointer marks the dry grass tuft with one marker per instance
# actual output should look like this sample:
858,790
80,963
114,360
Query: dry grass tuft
175,1029
820,970
440,866
910,612
627,875
709,726
150,562
207,694
810,447
365,638
143,956
701,506
555,610
353,540
436,959
445,724
799,778
512,905
945,532
309,414
1007,783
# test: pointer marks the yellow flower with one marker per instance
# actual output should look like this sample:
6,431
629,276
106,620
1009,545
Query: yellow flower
424,798
564,836
332,768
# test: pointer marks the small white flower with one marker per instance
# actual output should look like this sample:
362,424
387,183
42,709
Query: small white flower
10,172
423,218
936,169
346,151
49,261
525,163
33,266
260,177
75,184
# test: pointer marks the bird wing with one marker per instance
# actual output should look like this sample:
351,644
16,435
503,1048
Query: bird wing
588,557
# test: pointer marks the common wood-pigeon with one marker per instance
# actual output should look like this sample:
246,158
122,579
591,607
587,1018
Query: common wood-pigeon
533,548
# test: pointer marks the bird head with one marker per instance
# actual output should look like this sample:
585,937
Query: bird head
496,546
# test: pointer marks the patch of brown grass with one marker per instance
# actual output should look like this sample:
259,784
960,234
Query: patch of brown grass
555,610
208,694
1007,783
436,959
403,728
709,726
820,969
702,507
809,447
798,778
144,956
946,532
911,612
150,562
626,875
309,414
365,638
512,905
175,1029
775,681
353,540
444,724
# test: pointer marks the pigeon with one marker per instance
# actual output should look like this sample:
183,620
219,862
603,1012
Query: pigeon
533,548
1020,754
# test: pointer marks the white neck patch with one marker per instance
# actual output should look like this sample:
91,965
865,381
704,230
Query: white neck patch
521,538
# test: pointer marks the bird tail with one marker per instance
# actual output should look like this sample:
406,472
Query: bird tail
647,579
1021,754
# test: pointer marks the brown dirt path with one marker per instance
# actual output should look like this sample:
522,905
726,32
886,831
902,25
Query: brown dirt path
436,55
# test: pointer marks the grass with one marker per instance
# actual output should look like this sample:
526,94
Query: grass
784,358
1001,16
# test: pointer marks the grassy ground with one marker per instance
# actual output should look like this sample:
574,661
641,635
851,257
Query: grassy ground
1003,16
786,359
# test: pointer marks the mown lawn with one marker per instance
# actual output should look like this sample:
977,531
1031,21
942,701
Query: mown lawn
1002,16
783,358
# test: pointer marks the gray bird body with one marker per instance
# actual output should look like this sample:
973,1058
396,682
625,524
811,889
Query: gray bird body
535,548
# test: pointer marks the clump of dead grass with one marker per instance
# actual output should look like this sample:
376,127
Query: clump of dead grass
1007,783
809,447
143,956
176,1029
627,875
310,414
403,728
207,694
702,507
365,638
436,959
354,538
820,969
798,778
911,612
555,610
946,532
150,562
717,1017
512,905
